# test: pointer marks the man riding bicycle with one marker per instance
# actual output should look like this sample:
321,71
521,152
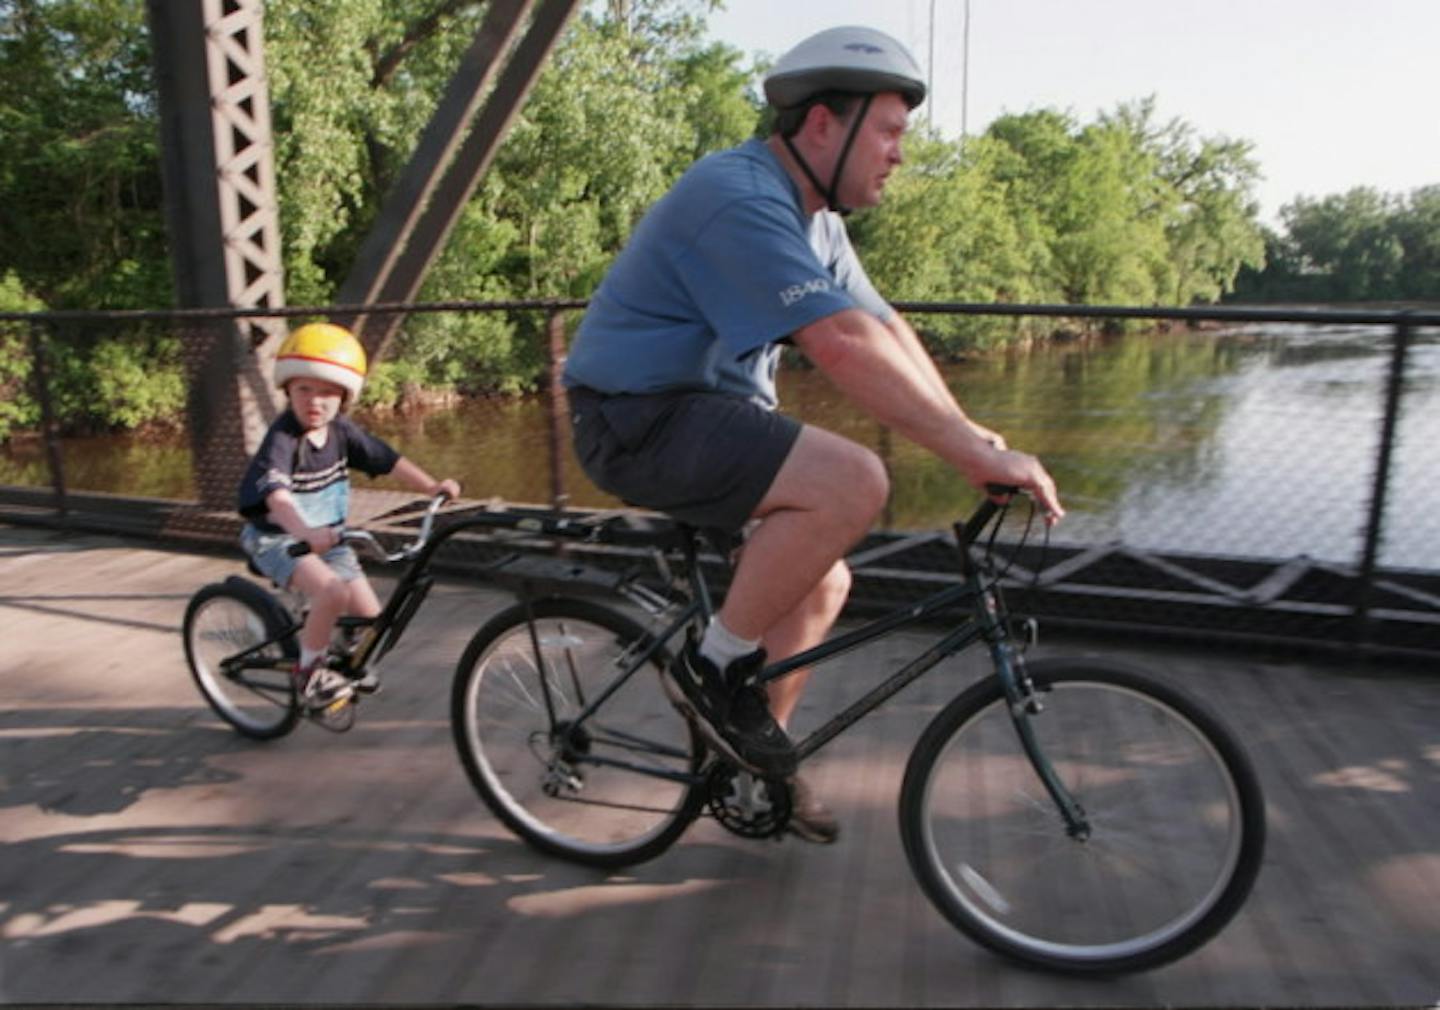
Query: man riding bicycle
672,381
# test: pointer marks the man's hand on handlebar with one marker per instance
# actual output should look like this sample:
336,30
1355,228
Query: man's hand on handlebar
1007,471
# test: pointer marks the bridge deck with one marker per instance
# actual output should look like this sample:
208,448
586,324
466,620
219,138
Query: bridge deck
153,856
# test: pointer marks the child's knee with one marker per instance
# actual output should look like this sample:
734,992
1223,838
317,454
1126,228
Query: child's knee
331,595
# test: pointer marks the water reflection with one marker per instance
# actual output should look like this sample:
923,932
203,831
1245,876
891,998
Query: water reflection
1255,441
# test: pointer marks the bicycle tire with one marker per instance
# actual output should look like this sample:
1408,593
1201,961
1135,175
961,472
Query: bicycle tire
225,618
545,785
1176,811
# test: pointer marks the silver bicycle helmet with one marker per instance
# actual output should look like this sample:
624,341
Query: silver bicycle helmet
848,60
853,59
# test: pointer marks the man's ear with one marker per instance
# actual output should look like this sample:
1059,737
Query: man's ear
819,121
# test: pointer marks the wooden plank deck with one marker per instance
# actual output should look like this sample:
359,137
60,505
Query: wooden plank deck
151,855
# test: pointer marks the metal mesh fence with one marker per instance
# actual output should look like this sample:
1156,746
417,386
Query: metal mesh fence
1265,473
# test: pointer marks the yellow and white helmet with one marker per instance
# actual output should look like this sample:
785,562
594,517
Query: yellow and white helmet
322,351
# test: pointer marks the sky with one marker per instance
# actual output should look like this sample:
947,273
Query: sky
1332,95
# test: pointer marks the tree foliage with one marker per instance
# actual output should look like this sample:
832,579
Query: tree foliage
1362,245
81,206
1040,208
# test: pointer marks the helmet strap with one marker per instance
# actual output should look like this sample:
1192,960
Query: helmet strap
831,193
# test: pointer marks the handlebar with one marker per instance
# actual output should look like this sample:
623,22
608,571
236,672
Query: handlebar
367,540
968,532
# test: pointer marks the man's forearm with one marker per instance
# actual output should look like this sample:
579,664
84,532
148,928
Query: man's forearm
914,348
877,368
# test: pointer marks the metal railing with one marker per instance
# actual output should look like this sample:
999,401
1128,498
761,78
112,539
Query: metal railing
1360,608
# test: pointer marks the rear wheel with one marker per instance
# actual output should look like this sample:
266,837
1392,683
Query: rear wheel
224,620
608,787
1176,821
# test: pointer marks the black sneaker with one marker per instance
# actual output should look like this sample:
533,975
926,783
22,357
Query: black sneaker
732,711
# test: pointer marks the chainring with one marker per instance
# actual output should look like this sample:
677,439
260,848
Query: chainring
747,805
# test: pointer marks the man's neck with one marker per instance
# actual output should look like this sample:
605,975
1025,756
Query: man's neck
811,199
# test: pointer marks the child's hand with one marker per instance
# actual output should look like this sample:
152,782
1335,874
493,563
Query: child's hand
322,538
449,488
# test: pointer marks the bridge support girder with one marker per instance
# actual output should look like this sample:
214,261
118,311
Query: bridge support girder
219,173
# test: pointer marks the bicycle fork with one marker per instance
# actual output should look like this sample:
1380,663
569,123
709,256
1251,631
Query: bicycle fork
1024,704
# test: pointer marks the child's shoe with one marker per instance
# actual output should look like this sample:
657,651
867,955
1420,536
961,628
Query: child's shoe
318,687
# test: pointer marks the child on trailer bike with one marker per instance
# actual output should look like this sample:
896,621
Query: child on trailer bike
297,489
671,380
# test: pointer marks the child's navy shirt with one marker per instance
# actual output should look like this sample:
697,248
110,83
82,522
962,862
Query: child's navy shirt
317,477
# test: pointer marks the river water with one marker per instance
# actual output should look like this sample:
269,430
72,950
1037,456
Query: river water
1256,441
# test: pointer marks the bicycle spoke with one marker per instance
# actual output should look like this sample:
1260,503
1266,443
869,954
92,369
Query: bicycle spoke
1165,863
607,786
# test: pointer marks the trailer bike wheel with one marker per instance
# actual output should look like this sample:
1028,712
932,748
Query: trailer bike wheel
254,695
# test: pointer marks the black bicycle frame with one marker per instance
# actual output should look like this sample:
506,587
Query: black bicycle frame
989,622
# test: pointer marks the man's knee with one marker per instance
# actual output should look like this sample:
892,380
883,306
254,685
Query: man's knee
834,588
834,479
865,486
878,483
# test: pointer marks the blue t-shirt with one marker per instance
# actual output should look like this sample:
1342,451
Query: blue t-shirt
723,266
316,476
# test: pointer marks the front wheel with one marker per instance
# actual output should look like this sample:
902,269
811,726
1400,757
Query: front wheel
577,753
254,694
1176,821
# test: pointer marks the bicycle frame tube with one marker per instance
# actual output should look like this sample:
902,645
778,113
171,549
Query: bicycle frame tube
637,662
956,641
244,660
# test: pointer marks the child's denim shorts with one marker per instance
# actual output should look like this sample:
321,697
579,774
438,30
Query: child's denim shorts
270,552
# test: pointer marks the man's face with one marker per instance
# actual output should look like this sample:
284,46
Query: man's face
876,151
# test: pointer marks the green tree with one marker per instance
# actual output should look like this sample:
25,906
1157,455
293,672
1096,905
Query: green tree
18,407
1202,188
1362,245
1087,194
1350,237
943,233
81,206
1418,229
352,84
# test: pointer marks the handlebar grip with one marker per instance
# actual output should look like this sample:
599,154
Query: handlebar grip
300,548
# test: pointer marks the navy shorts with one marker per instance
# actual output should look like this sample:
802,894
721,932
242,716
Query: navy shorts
705,458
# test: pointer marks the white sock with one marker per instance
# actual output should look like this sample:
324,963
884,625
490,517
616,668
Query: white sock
722,646
308,656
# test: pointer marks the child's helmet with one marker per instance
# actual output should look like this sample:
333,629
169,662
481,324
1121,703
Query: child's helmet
322,351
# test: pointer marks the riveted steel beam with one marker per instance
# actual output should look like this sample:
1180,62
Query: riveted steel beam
218,165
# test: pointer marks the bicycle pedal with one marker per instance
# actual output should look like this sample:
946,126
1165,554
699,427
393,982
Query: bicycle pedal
338,716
